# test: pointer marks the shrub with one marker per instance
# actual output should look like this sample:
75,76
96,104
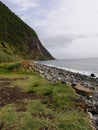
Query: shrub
48,92
14,67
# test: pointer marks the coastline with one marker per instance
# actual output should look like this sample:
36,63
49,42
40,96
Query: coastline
31,99
54,74
82,66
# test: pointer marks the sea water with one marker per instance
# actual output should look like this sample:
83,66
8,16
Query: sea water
85,66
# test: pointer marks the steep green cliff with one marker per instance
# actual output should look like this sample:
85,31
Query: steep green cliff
17,39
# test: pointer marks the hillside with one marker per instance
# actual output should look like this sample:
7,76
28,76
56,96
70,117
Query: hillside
30,102
17,39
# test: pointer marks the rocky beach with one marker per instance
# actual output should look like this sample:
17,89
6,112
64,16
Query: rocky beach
85,86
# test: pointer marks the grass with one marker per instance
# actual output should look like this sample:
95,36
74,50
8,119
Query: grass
6,53
55,111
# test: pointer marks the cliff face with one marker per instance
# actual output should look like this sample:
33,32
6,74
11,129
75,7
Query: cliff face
21,40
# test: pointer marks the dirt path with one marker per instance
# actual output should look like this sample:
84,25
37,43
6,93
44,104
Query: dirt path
13,94
9,94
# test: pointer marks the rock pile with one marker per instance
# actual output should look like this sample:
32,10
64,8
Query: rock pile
85,86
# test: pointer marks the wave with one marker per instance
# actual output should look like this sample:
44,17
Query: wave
88,73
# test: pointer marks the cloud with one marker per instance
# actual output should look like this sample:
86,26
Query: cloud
21,5
78,48
73,18
57,41
65,27
25,4
76,19
85,47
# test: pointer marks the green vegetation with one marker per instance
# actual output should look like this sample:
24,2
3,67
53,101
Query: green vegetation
17,39
6,53
44,104
28,101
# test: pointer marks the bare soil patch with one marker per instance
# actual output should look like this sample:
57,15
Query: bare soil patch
13,94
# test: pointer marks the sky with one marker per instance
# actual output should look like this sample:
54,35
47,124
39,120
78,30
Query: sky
67,28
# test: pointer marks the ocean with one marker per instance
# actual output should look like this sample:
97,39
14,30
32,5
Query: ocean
85,66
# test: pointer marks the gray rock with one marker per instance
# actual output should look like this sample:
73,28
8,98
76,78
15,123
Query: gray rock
90,83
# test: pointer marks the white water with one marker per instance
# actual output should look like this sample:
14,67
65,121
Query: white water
83,66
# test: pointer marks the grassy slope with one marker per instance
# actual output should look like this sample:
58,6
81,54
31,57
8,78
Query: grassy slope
21,39
6,53
56,111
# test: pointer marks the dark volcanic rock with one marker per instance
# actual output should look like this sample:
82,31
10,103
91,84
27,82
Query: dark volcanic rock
93,75
85,86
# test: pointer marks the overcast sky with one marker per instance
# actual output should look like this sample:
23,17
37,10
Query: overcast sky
67,28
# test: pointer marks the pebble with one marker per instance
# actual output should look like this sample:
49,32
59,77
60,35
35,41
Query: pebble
55,74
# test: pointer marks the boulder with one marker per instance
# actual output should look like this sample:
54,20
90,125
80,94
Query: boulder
82,90
93,75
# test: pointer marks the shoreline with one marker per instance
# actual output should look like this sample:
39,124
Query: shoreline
76,67
62,73
38,101
54,74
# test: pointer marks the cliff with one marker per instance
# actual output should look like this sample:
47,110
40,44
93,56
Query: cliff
17,39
